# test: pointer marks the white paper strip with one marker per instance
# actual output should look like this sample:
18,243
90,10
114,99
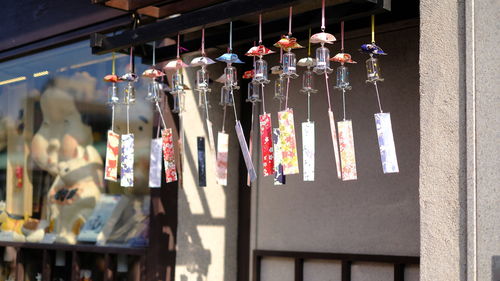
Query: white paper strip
347,153
155,160
308,150
386,143
222,154
127,161
245,152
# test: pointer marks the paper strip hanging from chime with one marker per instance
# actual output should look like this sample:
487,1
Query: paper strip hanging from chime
347,152
279,177
288,145
222,156
155,161
245,152
266,143
386,143
308,150
202,172
127,160
334,142
112,147
169,155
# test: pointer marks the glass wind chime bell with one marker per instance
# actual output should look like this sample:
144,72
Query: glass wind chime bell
113,98
154,87
130,78
307,76
322,53
202,79
178,86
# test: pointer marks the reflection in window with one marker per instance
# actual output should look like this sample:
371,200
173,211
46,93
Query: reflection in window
53,125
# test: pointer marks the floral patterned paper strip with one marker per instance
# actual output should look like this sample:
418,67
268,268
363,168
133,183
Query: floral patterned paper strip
334,142
111,171
386,143
169,155
245,152
308,150
266,144
222,151
288,144
347,154
279,177
202,173
155,163
127,160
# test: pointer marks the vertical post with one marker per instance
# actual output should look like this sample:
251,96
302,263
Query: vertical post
46,266
399,272
75,266
299,269
346,270
19,265
256,267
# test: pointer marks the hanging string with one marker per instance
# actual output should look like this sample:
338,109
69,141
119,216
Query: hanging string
342,36
309,45
203,41
378,97
131,62
234,106
154,53
113,71
178,45
343,101
323,16
287,87
308,107
290,22
230,36
373,29
224,118
260,29
263,100
161,115
128,118
113,63
328,92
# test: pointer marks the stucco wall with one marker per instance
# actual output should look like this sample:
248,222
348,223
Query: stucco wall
377,214
207,229
443,141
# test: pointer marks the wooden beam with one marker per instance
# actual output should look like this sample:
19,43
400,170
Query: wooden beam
178,7
130,5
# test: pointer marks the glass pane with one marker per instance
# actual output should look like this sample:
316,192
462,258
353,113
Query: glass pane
53,130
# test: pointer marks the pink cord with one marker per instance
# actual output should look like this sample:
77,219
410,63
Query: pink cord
203,41
290,22
260,29
323,15
178,45
342,35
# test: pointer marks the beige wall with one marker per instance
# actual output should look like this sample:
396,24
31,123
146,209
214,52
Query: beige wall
207,228
377,214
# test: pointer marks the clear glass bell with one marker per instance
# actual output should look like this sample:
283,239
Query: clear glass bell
177,83
154,89
279,88
202,79
343,78
290,65
322,61
254,90
113,98
231,77
308,82
373,70
226,97
129,93
260,72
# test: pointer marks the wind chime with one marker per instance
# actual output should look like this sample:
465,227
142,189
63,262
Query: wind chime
113,141
259,80
161,147
346,139
322,67
308,128
287,144
383,119
230,81
202,87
